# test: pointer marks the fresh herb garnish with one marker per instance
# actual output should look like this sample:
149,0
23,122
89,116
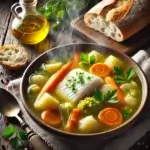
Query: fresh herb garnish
92,59
113,100
98,95
8,132
129,73
110,97
84,58
17,137
120,80
111,94
127,112
79,78
87,60
117,70
120,77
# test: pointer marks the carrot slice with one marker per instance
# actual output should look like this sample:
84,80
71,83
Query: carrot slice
51,117
110,116
76,60
100,69
120,94
55,79
73,119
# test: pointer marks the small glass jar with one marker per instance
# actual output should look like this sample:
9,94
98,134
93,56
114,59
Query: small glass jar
29,26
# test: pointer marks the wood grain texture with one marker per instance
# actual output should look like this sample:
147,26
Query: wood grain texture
5,15
129,46
10,39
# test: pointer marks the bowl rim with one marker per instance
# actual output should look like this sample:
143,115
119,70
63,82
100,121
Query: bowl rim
57,131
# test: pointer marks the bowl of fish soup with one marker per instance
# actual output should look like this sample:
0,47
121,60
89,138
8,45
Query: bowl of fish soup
84,91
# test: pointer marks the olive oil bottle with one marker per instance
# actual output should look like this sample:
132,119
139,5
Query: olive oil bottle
29,27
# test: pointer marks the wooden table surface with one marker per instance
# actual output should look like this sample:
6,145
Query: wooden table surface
6,37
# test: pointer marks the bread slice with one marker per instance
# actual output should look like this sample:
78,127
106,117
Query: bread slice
13,56
120,20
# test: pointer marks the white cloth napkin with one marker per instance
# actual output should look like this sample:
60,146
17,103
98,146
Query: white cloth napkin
121,142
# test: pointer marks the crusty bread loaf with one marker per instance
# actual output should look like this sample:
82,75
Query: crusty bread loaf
13,56
120,20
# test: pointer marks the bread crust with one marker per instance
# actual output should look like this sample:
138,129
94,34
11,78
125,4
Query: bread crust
135,20
13,56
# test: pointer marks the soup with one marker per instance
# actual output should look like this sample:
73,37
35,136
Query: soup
87,93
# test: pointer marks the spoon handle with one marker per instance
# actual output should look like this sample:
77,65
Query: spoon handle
35,140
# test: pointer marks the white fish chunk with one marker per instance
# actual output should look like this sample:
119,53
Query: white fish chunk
77,85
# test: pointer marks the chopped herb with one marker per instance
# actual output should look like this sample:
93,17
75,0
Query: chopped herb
17,137
117,70
71,82
126,115
92,59
127,112
86,61
113,100
98,95
120,78
89,78
111,94
80,77
9,131
84,58
17,143
129,73
22,134
109,97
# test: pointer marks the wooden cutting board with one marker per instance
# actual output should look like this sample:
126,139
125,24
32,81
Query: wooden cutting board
129,46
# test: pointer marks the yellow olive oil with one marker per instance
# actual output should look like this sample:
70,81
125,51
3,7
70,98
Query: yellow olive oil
31,30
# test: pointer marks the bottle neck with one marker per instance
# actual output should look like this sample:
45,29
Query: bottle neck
28,7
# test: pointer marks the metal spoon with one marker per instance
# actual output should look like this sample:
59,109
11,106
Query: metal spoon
10,108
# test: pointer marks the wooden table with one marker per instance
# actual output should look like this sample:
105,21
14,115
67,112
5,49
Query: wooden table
6,37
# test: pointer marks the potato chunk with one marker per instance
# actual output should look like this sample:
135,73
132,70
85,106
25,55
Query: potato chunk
112,61
89,125
52,68
98,56
46,102
131,101
38,79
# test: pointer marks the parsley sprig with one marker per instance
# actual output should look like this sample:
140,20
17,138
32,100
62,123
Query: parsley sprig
110,97
122,77
16,137
87,60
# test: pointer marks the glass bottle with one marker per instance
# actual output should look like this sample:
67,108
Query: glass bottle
29,26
